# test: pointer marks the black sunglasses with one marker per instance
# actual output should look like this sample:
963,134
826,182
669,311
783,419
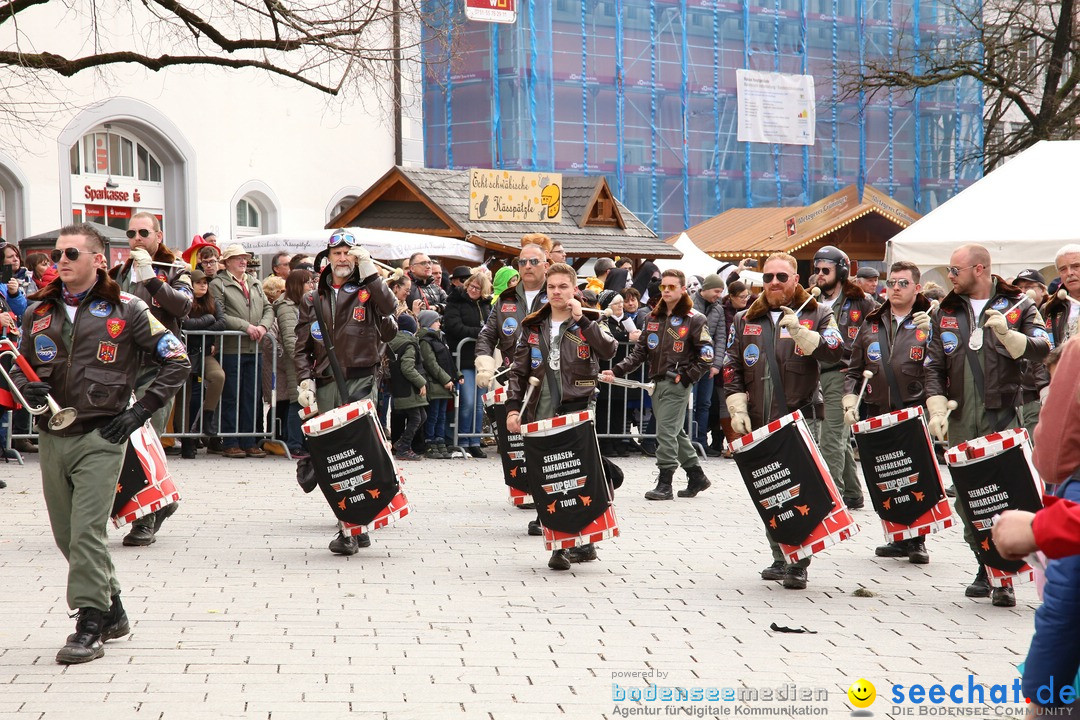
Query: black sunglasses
892,282
70,253
143,233
529,261
780,277
823,270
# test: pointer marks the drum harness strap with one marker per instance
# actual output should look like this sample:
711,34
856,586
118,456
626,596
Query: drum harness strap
331,354
895,399
768,339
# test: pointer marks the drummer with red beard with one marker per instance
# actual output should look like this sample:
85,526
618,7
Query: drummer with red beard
772,369
558,338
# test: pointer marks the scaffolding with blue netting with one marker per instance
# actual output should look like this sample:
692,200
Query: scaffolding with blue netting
644,92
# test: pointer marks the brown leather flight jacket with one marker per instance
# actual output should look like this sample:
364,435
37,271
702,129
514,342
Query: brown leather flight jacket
97,375
946,355
679,343
169,295
581,346
361,314
747,367
850,309
906,350
503,325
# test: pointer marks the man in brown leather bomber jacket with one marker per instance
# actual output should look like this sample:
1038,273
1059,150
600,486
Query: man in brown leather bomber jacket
755,396
679,352
85,339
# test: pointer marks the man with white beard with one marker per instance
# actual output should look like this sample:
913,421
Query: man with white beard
359,308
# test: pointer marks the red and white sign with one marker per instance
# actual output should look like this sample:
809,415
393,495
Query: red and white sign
496,11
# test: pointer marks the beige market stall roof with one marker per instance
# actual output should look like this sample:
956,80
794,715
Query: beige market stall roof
755,232
436,202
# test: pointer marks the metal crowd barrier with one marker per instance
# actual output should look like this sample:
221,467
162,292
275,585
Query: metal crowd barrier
182,423
631,428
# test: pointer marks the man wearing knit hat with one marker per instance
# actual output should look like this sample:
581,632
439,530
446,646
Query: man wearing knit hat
707,302
355,307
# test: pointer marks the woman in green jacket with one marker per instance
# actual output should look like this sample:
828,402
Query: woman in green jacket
407,386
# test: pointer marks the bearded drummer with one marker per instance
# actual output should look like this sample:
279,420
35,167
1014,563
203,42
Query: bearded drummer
984,334
891,343
763,385
359,308
561,346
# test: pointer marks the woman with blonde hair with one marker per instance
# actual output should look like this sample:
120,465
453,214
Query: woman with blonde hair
467,308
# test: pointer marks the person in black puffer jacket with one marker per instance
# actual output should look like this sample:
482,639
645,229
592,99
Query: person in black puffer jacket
466,310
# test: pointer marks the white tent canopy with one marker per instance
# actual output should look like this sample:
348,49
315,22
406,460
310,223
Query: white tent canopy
1022,212
694,260
383,245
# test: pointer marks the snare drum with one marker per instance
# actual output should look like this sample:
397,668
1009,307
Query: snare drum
145,484
792,490
511,448
571,490
902,474
992,474
354,467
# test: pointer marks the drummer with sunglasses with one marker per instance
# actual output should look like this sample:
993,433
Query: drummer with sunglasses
801,342
158,277
984,334
891,343
359,309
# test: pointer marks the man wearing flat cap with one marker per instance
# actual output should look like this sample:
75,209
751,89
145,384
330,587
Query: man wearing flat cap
867,278
1036,378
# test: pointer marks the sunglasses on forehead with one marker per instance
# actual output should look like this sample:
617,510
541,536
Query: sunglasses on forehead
781,277
141,232
341,236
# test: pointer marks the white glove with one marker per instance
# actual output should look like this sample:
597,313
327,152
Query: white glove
921,320
740,418
363,261
805,338
305,395
938,405
485,371
1015,342
851,409
141,269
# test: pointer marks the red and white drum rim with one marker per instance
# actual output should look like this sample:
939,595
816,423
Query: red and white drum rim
541,427
887,419
747,441
986,446
338,417
495,397
143,510
565,543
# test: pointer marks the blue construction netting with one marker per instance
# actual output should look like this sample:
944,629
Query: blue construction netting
643,91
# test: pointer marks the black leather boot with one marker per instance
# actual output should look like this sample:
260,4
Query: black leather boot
662,491
86,643
695,482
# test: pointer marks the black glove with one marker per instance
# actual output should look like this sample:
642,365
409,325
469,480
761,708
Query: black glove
35,394
120,427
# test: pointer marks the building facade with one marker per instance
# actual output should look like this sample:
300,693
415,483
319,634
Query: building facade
235,152
644,92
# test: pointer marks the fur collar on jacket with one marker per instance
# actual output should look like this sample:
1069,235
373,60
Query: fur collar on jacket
105,288
955,302
760,308
682,308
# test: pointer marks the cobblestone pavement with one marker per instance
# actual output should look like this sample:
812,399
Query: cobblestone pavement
239,609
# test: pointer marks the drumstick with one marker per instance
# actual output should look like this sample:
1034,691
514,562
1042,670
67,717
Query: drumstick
1029,295
1064,295
866,381
633,384
814,292
534,382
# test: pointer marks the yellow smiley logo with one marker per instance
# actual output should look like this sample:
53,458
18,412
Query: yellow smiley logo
862,693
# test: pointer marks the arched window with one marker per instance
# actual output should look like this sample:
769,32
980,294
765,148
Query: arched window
3,216
110,152
248,218
343,204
